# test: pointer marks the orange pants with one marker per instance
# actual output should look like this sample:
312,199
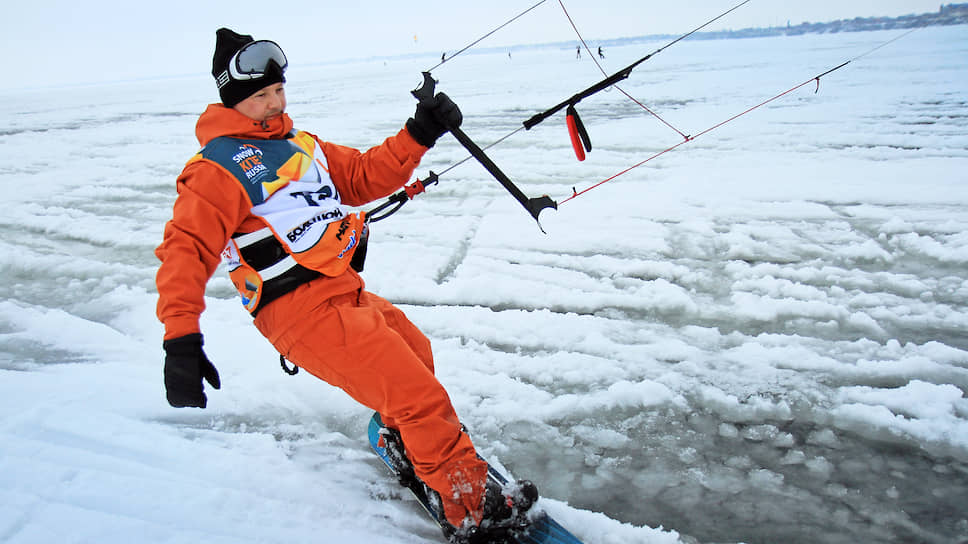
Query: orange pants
364,345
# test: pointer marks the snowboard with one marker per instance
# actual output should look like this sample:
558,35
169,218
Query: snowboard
541,529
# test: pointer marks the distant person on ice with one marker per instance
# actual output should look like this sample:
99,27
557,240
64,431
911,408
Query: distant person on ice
601,54
272,202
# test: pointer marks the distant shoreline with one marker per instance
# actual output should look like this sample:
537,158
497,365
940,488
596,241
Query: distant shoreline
947,15
951,14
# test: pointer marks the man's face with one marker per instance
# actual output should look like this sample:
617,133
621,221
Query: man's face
265,104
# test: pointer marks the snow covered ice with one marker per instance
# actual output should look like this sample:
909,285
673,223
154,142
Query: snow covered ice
759,337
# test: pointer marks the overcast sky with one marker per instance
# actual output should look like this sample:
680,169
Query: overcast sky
64,42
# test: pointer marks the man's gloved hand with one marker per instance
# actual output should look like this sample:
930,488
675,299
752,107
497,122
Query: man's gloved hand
185,366
433,118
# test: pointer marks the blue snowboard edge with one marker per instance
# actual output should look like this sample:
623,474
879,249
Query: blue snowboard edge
543,529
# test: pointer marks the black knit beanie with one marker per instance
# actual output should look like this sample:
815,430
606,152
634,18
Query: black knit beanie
227,43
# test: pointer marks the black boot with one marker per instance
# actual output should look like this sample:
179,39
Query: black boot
398,456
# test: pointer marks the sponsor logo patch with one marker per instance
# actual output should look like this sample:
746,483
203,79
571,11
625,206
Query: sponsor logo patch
298,232
249,158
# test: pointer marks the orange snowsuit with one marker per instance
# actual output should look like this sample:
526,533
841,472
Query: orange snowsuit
330,326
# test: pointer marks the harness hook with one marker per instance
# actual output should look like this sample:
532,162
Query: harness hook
291,371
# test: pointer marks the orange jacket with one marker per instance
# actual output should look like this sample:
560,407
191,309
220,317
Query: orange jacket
212,206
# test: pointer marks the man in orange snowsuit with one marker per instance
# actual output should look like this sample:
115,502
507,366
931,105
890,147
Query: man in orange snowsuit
272,202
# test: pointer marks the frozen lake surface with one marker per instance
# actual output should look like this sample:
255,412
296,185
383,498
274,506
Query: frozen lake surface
759,337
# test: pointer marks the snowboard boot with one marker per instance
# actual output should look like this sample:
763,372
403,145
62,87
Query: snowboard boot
393,443
505,511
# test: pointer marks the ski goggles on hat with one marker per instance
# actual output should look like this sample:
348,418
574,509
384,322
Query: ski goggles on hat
252,61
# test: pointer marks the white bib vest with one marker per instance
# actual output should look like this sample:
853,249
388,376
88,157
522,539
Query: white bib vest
309,232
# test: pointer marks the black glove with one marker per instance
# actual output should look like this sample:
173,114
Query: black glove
185,366
433,118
